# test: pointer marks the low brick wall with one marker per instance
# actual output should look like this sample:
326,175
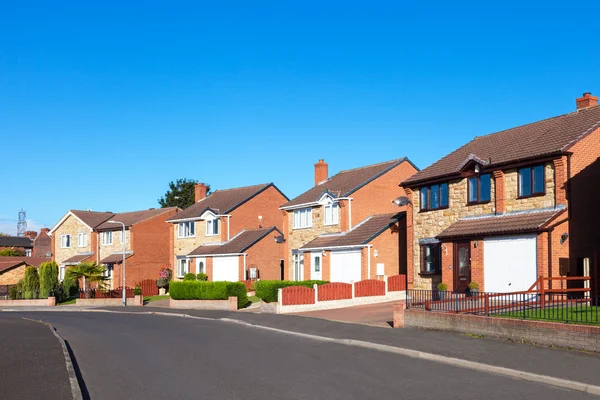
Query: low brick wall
223,305
581,337
49,302
110,302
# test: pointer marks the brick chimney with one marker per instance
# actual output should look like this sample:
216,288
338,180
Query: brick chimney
587,100
30,234
200,191
44,230
321,172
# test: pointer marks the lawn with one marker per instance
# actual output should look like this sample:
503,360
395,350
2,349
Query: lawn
67,302
588,315
253,299
149,299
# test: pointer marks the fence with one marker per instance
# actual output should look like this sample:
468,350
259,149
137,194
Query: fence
335,291
572,305
105,294
397,283
148,287
292,295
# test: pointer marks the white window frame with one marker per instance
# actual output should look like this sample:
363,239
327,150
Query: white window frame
181,271
334,214
186,229
27,252
82,239
302,218
104,236
61,272
210,230
63,239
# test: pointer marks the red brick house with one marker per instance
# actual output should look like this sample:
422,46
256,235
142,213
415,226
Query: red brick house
216,219
42,244
509,206
346,227
23,244
12,269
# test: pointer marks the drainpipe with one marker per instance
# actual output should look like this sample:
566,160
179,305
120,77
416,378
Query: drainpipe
369,261
245,270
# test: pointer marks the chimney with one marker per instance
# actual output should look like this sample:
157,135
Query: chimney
30,234
199,191
44,230
587,100
321,172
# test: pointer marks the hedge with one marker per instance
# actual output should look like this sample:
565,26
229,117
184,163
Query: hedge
200,290
267,290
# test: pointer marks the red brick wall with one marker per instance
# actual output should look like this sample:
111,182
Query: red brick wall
387,245
266,255
266,204
42,244
447,266
409,240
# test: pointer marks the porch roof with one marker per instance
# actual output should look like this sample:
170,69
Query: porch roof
115,258
76,259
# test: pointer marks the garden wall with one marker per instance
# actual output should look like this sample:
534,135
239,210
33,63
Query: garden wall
49,302
222,305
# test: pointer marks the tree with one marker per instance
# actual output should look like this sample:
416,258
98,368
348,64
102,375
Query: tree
48,272
11,253
91,273
180,194
4,234
31,283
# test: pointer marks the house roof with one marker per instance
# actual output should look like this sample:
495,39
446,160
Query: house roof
15,241
344,183
115,258
6,265
512,223
222,201
92,218
361,234
76,259
548,137
133,217
35,261
238,244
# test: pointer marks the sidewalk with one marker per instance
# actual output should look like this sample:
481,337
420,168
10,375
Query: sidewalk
32,361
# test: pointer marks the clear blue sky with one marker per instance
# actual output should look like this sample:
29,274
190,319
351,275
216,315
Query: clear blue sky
102,104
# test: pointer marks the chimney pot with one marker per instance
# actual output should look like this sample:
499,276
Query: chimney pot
587,100
200,191
321,171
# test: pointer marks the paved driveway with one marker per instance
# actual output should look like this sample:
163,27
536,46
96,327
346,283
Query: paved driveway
372,314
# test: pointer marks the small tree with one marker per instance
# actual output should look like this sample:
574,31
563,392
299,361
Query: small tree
11,253
69,287
31,283
180,194
91,273
48,278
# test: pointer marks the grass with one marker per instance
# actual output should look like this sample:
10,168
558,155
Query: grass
587,315
253,299
67,302
149,299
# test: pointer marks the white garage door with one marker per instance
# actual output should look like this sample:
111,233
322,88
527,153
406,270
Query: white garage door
509,263
226,269
345,266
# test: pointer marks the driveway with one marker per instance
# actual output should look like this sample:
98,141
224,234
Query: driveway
373,314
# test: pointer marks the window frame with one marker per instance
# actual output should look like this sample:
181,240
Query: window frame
308,218
213,222
428,197
104,235
28,252
84,241
179,267
437,260
331,207
478,180
68,240
62,270
532,182
191,227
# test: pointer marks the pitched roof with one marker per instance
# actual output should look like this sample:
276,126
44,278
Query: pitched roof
35,261
344,183
238,244
222,201
76,259
6,265
15,241
361,234
92,218
115,258
517,222
133,217
543,138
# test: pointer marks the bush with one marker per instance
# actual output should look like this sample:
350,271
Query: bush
137,291
164,277
267,290
442,287
189,277
199,290
202,277
31,283
16,291
48,273
11,253
69,287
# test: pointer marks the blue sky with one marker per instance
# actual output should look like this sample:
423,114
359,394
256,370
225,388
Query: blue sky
102,104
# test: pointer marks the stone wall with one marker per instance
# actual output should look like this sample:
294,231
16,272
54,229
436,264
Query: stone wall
183,246
513,203
71,226
116,246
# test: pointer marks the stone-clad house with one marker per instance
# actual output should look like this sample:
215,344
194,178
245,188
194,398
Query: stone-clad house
507,207
217,219
347,228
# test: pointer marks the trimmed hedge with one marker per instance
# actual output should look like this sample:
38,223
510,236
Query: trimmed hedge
267,290
200,290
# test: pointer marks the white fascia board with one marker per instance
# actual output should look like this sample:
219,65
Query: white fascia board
355,246
208,215
64,218
217,255
174,221
304,205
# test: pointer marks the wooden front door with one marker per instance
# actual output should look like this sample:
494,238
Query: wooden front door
462,266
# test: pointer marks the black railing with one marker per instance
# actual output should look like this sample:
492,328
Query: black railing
580,308
105,294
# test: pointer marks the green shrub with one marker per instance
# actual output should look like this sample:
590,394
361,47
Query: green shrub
201,277
16,291
48,273
267,290
137,291
199,290
11,253
69,287
31,283
189,277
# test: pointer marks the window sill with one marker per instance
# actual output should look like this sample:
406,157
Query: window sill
434,209
478,203
186,237
429,273
304,227
530,196
212,235
333,224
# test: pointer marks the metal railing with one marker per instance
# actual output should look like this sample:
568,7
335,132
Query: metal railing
105,294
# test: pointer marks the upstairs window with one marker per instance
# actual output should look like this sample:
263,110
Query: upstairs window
82,239
106,238
303,218
186,229
331,214
65,241
479,188
431,259
532,181
434,197
212,227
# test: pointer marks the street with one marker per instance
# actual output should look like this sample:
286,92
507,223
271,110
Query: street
124,356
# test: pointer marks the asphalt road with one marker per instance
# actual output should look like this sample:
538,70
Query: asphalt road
156,357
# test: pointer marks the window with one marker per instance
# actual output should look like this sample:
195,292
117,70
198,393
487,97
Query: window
61,273
479,188
317,264
212,227
106,238
331,214
430,258
183,267
186,229
27,252
303,218
81,239
434,197
532,181
65,241
108,271
201,267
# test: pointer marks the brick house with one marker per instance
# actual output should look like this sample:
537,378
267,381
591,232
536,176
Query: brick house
216,219
87,236
347,227
12,269
508,207
23,244
42,244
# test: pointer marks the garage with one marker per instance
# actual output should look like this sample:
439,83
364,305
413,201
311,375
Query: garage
510,263
345,266
226,269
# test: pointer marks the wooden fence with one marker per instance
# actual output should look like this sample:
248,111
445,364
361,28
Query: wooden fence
293,295
335,291
148,287
369,287
396,283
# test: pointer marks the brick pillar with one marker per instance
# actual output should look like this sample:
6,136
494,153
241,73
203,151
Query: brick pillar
399,314
410,238
499,193
560,183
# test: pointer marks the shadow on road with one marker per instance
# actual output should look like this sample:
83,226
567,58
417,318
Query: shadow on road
80,381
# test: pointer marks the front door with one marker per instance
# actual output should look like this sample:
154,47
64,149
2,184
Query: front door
299,267
316,270
462,266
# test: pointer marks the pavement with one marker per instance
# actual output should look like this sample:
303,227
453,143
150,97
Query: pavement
379,314
165,357
32,364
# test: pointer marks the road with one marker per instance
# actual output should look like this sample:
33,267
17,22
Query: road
124,356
